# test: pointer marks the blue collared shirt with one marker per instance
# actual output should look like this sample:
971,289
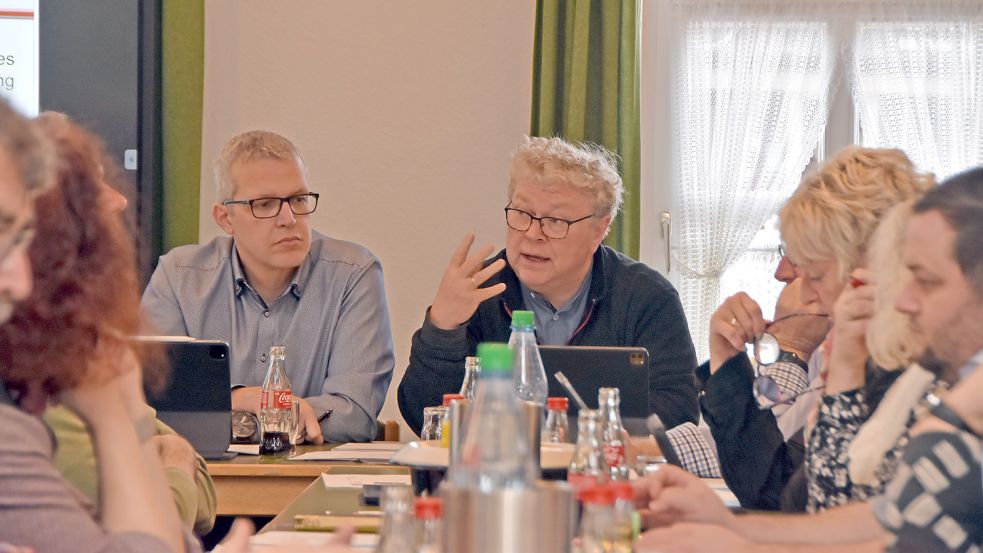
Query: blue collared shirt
556,326
333,319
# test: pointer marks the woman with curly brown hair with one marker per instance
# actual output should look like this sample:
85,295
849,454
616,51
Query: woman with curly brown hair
67,342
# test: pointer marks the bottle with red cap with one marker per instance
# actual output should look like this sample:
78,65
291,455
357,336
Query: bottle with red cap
588,468
625,521
612,432
596,519
445,419
429,525
557,428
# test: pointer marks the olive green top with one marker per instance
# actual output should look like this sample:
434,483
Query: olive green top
76,461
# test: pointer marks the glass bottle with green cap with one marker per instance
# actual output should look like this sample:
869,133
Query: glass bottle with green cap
495,450
529,375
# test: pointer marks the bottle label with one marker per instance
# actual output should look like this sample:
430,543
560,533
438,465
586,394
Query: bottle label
614,454
580,481
275,399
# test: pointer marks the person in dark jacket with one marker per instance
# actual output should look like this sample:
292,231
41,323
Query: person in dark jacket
827,226
562,199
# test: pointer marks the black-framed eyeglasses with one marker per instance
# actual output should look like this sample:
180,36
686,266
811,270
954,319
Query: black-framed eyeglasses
768,351
781,250
552,227
268,208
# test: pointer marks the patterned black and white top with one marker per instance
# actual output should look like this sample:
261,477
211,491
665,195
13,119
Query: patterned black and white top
934,502
827,455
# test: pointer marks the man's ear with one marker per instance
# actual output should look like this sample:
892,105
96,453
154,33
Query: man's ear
221,215
602,229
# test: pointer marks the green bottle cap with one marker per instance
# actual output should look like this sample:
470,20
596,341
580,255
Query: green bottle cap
495,357
523,319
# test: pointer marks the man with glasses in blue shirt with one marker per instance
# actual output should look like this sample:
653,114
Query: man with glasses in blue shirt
275,281
562,199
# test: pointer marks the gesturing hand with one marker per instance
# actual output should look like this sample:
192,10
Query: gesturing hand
460,290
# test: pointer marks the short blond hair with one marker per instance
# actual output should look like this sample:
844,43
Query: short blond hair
834,212
590,168
250,146
890,341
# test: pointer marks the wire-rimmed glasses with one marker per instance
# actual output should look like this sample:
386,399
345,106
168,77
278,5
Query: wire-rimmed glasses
768,351
269,207
552,227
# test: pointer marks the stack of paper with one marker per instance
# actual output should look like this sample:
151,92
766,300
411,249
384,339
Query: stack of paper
371,452
359,480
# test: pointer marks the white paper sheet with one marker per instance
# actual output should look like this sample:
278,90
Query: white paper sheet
245,449
359,480
270,540
723,492
370,446
363,456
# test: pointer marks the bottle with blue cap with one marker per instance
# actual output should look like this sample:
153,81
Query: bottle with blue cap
495,451
529,375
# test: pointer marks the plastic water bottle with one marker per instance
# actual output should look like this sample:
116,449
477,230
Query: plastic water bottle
495,452
275,413
530,377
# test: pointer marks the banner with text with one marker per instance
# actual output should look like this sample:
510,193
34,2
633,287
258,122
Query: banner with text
19,54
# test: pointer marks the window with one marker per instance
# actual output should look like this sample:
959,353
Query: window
757,91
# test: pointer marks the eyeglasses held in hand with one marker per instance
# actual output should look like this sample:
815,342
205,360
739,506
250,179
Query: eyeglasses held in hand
768,351
268,208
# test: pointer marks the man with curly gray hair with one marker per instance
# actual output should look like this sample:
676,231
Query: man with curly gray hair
562,198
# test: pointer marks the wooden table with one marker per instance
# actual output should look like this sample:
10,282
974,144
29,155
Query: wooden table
317,499
264,485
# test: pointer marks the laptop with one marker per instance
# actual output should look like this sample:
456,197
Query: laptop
589,368
197,400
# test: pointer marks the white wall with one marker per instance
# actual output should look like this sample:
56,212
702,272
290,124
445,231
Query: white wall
406,113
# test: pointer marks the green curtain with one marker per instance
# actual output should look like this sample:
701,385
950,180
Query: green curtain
585,88
183,64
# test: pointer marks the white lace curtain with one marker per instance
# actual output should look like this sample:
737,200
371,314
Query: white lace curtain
749,103
918,84
751,91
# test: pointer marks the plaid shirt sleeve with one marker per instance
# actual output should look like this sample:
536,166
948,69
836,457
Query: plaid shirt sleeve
695,453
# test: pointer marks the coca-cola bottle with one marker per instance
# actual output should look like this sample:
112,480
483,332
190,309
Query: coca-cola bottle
612,432
588,467
274,407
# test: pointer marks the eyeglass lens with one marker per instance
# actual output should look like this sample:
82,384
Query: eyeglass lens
265,208
551,227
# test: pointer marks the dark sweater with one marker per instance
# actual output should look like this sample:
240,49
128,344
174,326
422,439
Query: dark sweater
629,304
755,460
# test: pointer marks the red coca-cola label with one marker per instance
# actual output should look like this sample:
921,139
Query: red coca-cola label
614,454
580,481
281,399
